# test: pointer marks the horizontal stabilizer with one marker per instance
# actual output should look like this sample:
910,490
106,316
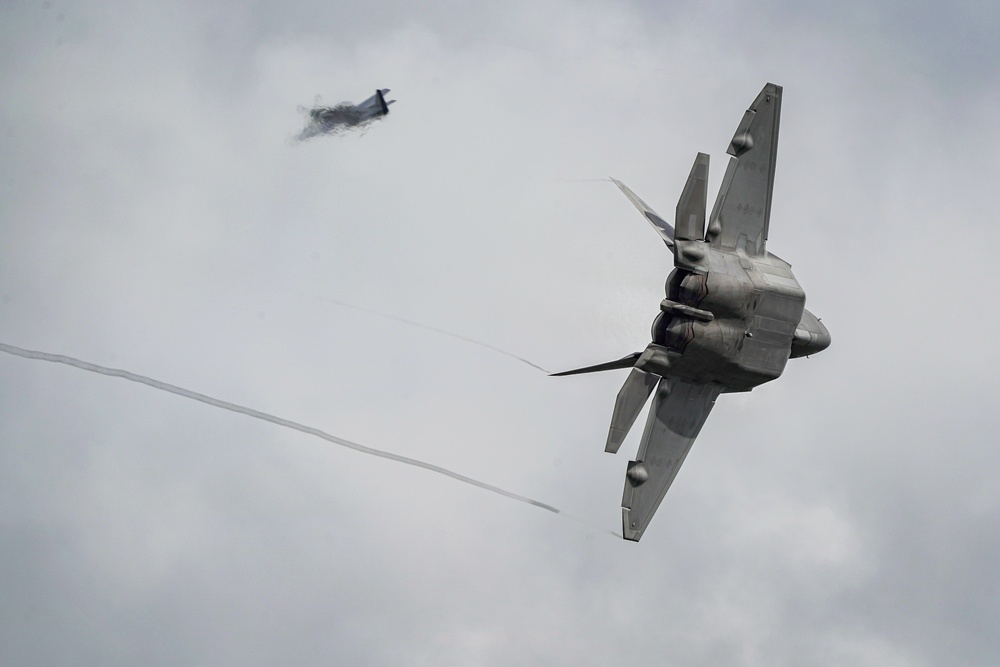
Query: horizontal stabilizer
624,362
662,227
633,395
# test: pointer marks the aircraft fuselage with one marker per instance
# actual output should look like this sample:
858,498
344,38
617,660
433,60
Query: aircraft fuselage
756,307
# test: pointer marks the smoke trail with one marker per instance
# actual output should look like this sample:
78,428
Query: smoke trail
256,414
427,327
324,121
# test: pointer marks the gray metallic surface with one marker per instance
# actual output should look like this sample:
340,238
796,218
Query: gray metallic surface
631,399
661,226
811,336
625,362
743,207
689,219
676,416
733,317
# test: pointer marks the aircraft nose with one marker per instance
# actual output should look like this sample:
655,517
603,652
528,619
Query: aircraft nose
811,336
821,338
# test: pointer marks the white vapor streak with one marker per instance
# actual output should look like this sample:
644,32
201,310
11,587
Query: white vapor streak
428,327
250,412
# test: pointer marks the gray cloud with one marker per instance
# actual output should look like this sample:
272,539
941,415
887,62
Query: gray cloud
156,217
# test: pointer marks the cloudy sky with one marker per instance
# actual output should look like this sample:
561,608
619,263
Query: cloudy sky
156,215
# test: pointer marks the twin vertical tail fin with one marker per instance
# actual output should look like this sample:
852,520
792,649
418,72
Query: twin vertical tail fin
742,212
383,105
689,219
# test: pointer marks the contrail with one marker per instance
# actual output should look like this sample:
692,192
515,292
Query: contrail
427,327
579,180
257,414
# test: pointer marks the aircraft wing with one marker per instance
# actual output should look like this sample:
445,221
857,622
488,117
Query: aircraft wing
743,209
662,227
676,416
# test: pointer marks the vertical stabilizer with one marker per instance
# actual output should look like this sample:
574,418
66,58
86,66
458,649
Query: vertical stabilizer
689,220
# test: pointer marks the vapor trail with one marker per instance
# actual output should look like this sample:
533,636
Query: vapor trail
579,180
256,414
427,327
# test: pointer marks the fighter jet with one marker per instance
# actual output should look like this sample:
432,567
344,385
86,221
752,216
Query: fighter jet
733,316
326,120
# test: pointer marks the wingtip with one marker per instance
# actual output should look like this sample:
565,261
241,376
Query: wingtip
629,532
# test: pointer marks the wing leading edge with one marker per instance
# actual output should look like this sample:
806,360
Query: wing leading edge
678,412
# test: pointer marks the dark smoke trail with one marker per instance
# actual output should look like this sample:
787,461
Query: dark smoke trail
249,412
427,327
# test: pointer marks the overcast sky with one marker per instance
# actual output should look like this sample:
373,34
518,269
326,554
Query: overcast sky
156,215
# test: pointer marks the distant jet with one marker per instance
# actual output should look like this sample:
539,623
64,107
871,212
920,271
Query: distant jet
733,316
326,120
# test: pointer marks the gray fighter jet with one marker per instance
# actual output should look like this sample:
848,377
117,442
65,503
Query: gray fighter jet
733,316
327,120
